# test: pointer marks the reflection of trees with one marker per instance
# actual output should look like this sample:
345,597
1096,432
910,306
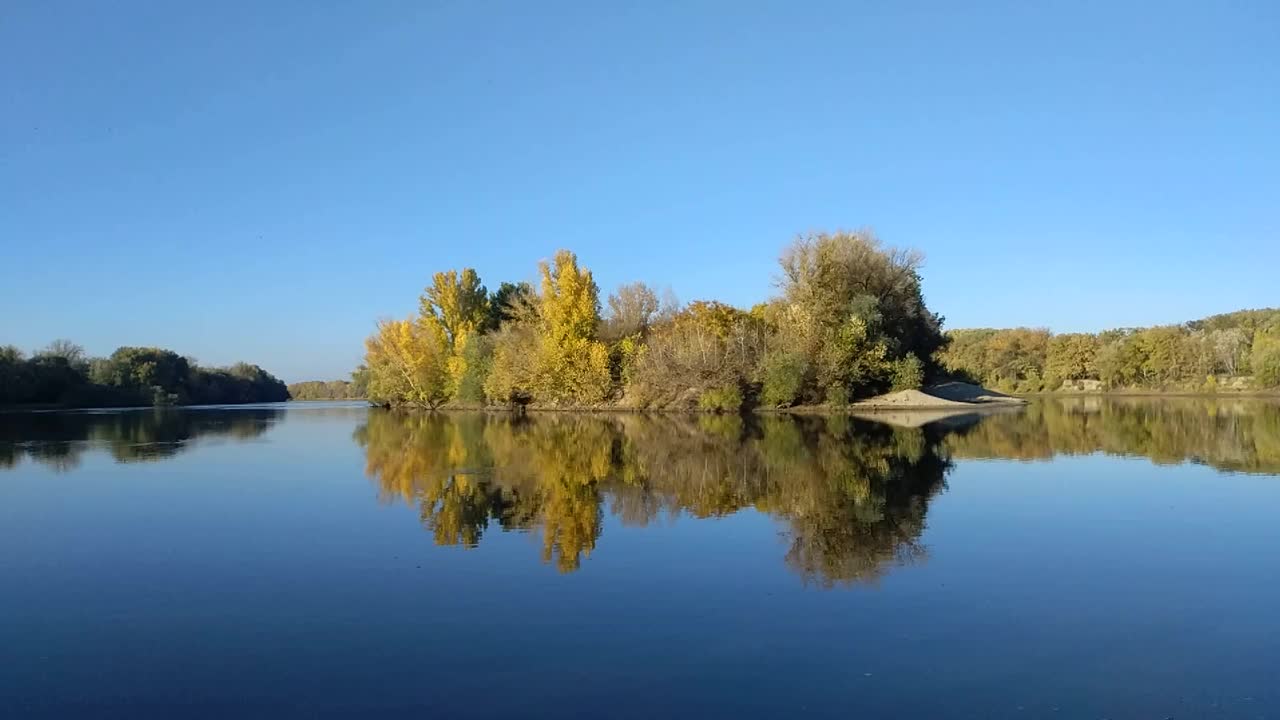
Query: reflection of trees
58,440
852,494
1236,435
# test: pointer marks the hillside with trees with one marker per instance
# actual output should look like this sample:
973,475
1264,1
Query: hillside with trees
1239,350
849,321
62,375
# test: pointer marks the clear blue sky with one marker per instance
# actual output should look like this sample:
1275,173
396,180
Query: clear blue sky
263,180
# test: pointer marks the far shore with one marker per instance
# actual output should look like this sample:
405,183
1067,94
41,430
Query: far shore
870,406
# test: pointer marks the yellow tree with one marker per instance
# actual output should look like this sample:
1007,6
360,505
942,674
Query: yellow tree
408,363
460,304
573,368
458,301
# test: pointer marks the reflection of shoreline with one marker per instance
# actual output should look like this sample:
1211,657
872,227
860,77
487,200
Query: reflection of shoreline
1230,435
852,493
60,439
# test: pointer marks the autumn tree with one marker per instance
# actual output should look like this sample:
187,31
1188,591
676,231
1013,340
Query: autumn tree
704,357
572,366
853,308
408,363
1073,356
458,301
632,308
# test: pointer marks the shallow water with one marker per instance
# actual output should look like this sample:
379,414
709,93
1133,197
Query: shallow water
1080,558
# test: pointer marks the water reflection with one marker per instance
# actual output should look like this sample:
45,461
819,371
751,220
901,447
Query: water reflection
1237,435
851,494
59,440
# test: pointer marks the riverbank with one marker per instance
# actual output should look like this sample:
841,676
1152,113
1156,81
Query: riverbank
1142,393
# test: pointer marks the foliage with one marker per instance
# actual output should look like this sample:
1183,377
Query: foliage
632,309
473,364
849,321
505,303
721,399
908,373
511,377
572,367
408,363
853,308
62,374
1168,357
458,302
1073,356
325,390
1266,360
360,381
784,378
705,346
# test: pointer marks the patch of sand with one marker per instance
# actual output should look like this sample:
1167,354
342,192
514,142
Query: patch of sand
947,395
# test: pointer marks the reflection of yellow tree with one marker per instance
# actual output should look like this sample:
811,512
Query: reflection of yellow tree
563,459
464,470
852,494
439,464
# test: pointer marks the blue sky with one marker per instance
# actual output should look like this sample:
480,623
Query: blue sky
262,181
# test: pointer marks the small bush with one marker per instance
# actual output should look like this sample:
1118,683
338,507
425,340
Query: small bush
783,379
908,373
721,399
837,395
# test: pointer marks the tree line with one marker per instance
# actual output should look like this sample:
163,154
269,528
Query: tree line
354,389
62,375
849,321
1239,350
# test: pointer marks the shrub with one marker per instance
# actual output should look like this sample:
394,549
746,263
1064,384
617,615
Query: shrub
784,375
721,399
837,395
907,373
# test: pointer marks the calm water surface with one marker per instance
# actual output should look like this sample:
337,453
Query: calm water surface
1083,558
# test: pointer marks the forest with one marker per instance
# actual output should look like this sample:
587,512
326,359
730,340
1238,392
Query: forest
1233,351
849,321
354,389
61,375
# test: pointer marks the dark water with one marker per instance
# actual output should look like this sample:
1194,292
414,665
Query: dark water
1082,559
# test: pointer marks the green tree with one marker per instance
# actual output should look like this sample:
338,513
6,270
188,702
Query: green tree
505,304
1073,356
853,307
1266,360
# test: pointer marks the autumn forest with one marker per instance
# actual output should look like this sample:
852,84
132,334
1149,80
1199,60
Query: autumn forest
849,322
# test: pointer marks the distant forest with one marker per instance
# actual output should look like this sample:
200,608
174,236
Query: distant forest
849,321
354,389
62,375
1233,351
